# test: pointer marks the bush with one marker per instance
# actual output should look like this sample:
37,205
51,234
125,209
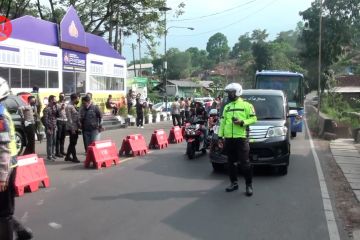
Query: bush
123,111
132,112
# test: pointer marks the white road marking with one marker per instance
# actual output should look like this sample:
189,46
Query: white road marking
55,225
329,213
40,202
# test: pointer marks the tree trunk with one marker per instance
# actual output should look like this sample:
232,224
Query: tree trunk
120,43
111,26
116,42
39,9
52,11
8,9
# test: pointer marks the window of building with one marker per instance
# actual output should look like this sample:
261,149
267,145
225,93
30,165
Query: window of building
25,80
38,78
15,77
53,79
69,85
4,73
106,83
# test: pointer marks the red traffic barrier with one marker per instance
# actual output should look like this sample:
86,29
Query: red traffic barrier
134,145
30,173
159,140
101,154
175,135
183,128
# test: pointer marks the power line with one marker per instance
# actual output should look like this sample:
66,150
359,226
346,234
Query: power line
229,25
213,14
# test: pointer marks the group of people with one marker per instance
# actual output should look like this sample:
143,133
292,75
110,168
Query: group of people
60,119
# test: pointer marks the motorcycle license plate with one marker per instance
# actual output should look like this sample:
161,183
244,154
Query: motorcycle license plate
216,129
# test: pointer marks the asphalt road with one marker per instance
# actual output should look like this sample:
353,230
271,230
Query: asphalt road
165,196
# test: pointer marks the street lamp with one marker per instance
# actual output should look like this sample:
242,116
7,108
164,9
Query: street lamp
165,9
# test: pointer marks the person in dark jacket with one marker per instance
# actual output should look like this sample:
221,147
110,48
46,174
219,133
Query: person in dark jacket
61,126
91,120
139,113
73,126
50,114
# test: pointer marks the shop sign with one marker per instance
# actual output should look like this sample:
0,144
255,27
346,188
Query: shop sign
75,61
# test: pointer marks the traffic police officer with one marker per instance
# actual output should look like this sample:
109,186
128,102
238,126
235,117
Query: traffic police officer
8,152
237,116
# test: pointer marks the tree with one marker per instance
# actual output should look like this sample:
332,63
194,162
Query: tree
259,35
179,64
262,55
217,47
243,45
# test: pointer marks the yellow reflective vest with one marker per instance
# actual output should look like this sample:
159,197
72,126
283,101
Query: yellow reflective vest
240,110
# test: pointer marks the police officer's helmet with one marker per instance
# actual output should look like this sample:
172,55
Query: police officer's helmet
4,88
234,87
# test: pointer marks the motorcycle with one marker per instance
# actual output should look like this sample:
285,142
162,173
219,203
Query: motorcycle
195,139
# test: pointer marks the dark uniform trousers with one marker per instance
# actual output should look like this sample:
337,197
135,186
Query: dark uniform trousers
237,150
7,206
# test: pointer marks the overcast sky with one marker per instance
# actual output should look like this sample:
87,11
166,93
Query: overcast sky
230,17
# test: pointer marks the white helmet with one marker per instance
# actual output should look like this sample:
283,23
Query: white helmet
4,88
213,111
236,87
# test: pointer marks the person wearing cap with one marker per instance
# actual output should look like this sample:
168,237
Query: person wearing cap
8,164
238,115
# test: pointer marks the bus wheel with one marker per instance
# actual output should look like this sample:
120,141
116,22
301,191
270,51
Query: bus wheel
293,134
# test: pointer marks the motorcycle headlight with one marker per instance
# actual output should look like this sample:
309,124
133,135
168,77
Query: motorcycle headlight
277,132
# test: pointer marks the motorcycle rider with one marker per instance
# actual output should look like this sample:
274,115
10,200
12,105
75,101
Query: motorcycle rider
237,116
199,113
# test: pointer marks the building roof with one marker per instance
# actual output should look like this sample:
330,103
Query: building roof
143,66
29,28
206,84
347,89
348,81
185,83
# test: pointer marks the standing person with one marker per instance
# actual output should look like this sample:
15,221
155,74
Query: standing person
175,112
38,126
129,99
27,113
187,108
73,126
182,110
91,120
8,164
61,123
50,114
35,93
238,115
139,113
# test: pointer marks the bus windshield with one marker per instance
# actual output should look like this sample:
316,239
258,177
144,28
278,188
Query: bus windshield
291,85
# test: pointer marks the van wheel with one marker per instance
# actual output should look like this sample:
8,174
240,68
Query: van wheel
293,134
283,170
19,139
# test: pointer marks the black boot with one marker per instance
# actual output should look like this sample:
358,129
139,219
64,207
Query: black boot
249,190
233,186
22,233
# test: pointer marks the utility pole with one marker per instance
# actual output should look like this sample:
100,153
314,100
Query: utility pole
133,52
139,40
320,47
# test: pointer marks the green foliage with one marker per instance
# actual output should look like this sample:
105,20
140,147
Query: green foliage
217,47
179,64
243,45
123,111
132,112
262,55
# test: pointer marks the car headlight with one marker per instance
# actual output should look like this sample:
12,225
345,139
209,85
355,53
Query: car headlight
277,132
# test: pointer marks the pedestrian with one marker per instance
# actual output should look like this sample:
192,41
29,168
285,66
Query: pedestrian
50,114
237,116
111,105
8,164
27,113
187,108
73,126
39,128
139,113
129,99
175,112
91,120
182,110
61,123
35,93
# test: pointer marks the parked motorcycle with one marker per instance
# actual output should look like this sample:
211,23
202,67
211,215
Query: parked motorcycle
195,138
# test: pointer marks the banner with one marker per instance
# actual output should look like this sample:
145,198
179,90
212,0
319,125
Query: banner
74,61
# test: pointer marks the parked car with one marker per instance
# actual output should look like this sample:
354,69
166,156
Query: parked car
12,104
160,107
269,137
